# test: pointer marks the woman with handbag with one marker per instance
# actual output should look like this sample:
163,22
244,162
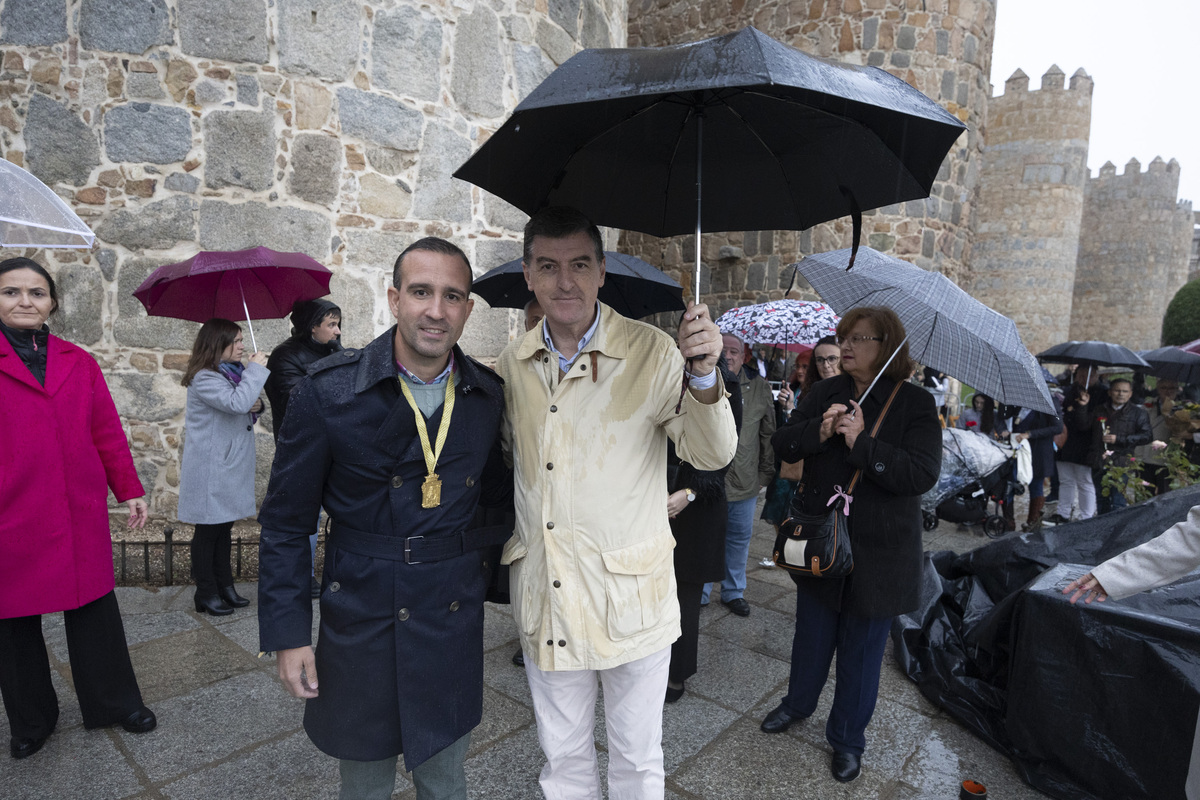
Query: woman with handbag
216,483
886,450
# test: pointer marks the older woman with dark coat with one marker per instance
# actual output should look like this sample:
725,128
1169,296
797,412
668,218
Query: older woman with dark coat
851,616
63,448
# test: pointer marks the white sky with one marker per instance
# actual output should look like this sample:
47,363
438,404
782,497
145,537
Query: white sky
1142,56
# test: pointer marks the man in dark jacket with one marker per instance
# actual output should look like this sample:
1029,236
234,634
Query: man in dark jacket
399,442
1125,426
316,333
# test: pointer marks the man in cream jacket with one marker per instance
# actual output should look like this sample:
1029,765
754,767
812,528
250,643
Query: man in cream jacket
591,398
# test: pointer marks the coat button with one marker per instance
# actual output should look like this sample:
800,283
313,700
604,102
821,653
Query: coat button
402,615
249,427
553,409
347,353
470,481
550,465
454,606
546,360
562,642
487,565
558,584
335,587
583,367
397,481
550,642
549,526
879,466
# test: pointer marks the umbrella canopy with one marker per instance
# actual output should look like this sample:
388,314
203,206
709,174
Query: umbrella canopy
736,132
947,328
794,325
1093,353
1173,363
631,286
1192,346
241,284
32,215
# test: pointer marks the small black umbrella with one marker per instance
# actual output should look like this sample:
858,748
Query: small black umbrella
631,286
1093,353
1173,363
780,139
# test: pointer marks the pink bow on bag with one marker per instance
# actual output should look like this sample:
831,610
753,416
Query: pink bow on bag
837,492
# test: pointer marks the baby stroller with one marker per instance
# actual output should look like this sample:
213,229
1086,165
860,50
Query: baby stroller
976,478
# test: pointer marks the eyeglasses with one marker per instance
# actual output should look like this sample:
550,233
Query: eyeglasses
827,359
854,341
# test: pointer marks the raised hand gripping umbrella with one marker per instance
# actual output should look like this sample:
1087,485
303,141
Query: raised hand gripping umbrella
32,215
253,284
736,132
632,287
947,328
794,325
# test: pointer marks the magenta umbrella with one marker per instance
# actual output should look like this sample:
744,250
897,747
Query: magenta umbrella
259,283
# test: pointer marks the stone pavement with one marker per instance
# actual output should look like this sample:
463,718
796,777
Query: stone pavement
228,730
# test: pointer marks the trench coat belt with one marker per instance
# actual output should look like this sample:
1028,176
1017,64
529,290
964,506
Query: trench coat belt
417,549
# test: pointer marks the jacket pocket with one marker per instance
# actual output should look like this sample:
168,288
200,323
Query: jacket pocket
637,584
526,609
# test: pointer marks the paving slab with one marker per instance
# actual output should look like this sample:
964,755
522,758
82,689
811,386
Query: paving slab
74,763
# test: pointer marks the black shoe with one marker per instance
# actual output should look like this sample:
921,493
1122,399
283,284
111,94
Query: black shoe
213,605
518,658
846,767
1056,519
232,598
140,721
738,605
24,748
779,720
315,588
673,695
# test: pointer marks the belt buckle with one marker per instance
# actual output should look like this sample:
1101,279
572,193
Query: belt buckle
408,550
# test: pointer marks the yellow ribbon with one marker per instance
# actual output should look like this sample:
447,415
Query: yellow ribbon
431,490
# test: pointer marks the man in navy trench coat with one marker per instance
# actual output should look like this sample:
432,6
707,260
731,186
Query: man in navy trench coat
399,658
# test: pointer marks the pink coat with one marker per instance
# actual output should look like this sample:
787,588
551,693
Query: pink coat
61,448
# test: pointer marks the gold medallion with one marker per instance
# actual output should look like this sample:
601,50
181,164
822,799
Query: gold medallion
431,491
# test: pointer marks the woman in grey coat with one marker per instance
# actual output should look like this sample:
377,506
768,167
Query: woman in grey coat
216,485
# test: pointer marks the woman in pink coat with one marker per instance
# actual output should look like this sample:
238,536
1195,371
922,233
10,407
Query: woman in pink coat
62,449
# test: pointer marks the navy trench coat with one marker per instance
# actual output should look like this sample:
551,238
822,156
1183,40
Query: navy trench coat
400,649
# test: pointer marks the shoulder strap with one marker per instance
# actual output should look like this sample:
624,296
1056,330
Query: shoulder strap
874,430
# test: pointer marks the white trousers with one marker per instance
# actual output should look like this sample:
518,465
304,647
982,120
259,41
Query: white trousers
1075,488
564,704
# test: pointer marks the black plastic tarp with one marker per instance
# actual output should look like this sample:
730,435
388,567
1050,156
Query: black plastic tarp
1090,701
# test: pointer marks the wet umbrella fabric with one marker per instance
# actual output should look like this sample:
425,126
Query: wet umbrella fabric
736,132
1173,363
1093,353
632,287
32,215
947,328
259,283
794,325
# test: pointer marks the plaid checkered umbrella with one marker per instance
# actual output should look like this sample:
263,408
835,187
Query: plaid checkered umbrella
947,328
786,323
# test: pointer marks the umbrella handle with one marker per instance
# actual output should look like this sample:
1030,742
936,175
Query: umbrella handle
246,309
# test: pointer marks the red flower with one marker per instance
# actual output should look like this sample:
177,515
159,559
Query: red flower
971,423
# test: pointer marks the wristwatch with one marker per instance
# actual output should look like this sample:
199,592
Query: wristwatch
691,495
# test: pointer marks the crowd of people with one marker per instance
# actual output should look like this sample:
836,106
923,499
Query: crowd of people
603,479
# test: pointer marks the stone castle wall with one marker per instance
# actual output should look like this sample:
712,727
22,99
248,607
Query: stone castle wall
1131,256
172,126
942,47
1031,203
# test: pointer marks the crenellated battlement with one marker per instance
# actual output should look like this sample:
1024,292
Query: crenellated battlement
1053,80
1160,176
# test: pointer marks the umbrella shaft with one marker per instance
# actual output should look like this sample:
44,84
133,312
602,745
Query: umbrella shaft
882,370
699,193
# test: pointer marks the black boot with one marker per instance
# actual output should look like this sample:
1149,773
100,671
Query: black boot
212,604
232,598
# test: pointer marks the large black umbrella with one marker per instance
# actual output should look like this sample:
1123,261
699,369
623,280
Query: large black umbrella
780,139
1173,363
631,286
947,328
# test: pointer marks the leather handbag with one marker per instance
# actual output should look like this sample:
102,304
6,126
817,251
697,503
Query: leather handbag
818,546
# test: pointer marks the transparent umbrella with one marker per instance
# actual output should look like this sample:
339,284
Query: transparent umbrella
32,215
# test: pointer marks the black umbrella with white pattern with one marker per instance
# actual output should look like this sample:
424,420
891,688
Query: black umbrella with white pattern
947,328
